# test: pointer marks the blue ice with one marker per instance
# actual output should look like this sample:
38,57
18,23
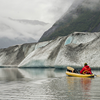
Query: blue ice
68,40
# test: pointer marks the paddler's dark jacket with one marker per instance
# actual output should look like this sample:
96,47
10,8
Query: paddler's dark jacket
86,70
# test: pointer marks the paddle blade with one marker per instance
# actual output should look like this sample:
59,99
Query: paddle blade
97,75
70,68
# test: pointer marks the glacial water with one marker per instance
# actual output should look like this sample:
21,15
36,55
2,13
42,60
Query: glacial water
46,84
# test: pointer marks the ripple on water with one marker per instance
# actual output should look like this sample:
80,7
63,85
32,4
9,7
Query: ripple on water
52,88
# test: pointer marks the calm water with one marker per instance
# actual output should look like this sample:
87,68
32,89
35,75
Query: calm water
46,84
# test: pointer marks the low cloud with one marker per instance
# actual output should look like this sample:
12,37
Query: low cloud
43,10
91,4
16,29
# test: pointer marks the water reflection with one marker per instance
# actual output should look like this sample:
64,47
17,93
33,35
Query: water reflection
42,72
79,88
86,83
46,84
10,74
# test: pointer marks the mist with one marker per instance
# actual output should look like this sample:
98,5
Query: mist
46,11
92,5
15,29
14,32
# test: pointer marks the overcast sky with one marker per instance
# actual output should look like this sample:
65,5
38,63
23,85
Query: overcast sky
48,11
43,10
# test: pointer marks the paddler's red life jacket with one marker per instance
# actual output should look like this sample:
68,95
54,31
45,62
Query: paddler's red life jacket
86,70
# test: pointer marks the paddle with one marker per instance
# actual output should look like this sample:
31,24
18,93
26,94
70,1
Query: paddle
97,75
70,68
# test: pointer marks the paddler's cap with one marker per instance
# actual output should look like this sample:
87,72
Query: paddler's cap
85,64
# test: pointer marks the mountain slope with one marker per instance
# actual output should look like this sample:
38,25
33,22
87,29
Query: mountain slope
83,17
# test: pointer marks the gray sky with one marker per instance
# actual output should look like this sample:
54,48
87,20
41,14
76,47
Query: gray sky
43,10
48,11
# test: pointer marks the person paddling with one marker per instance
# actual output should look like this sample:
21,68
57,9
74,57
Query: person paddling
86,69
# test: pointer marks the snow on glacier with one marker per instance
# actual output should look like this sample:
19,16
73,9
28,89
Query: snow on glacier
40,56
41,44
81,37
13,55
75,49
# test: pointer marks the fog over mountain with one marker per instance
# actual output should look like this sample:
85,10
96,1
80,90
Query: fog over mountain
19,31
25,21
82,16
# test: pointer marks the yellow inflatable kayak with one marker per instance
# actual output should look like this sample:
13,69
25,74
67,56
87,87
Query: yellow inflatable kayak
79,75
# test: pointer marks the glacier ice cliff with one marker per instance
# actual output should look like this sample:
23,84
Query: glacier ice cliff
74,50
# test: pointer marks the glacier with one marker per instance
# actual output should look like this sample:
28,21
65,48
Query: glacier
72,50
